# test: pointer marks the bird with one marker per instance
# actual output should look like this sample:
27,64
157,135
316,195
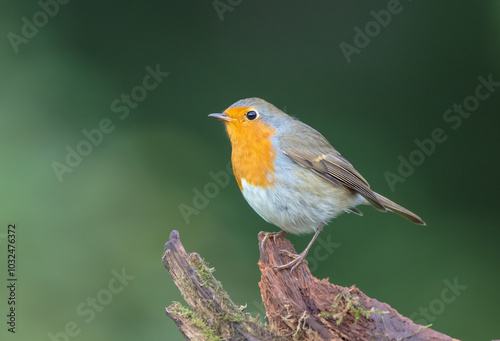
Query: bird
291,175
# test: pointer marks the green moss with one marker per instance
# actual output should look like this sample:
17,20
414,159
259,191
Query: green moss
226,316
196,321
301,329
179,309
205,273
223,326
348,303
231,317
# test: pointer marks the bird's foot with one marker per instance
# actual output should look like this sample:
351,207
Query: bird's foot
270,234
290,254
297,260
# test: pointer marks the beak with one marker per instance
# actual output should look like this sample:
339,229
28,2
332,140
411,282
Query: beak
221,117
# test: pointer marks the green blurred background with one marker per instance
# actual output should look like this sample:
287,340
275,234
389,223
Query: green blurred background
116,209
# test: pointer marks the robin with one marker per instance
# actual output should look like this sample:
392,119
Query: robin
291,175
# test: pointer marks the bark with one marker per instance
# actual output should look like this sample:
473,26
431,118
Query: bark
212,315
298,305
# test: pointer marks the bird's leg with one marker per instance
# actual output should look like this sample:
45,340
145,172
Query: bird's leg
270,234
301,257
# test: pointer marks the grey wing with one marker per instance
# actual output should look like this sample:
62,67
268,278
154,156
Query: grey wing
317,154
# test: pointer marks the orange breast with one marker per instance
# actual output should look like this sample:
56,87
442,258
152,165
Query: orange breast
253,154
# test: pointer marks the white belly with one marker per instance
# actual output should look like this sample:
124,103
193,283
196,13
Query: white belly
300,208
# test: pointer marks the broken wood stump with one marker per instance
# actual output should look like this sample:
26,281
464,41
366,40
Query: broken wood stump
298,305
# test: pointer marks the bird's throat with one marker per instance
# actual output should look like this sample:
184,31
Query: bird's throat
252,152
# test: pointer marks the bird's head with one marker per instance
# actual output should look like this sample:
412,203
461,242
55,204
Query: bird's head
252,119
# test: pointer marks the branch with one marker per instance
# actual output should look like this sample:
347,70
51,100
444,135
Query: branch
298,305
212,315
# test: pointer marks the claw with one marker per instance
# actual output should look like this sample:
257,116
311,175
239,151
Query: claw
297,260
289,254
272,234
278,234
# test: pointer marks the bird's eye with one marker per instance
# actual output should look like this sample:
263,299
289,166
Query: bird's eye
251,115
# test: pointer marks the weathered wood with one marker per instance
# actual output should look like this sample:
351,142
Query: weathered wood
212,315
298,305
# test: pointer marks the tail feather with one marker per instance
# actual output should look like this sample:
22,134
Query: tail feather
392,206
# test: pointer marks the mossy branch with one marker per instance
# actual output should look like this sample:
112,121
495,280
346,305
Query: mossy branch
212,315
298,305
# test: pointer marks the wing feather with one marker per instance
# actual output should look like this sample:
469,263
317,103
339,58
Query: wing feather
316,153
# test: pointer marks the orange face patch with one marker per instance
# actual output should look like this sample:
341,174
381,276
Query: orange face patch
253,154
